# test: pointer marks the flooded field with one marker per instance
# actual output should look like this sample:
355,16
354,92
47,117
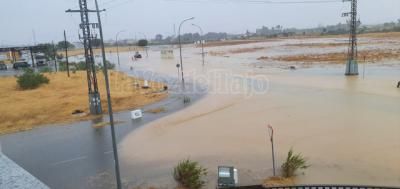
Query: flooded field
347,127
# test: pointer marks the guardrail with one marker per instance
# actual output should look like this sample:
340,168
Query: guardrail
315,187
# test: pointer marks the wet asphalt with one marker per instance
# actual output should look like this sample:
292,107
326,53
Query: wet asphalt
76,155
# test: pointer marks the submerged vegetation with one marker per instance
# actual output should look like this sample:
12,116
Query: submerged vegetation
293,163
189,174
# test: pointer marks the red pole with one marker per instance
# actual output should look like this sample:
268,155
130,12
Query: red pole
271,135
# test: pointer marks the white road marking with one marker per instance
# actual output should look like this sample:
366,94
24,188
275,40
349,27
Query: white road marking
70,160
108,152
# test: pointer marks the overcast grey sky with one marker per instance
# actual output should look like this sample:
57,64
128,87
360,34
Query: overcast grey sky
47,18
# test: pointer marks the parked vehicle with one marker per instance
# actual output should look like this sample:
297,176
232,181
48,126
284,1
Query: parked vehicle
137,55
18,65
40,59
3,66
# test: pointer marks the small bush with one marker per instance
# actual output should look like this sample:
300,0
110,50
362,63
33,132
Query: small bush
142,43
110,66
186,99
31,80
293,163
80,65
45,70
189,174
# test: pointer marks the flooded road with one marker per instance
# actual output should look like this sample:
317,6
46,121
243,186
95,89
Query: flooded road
76,155
347,127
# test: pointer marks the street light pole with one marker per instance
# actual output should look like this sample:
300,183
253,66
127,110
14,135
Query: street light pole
180,49
201,41
66,52
55,56
110,111
116,41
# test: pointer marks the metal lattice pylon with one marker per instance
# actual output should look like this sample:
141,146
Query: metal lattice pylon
352,54
94,95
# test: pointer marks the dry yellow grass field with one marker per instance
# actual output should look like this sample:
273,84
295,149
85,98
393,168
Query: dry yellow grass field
278,181
54,102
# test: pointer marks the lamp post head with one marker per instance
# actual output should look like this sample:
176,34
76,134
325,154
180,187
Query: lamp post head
121,31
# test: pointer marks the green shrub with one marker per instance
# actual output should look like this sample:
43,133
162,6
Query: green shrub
110,66
62,66
31,80
189,174
186,99
142,43
45,70
293,163
80,65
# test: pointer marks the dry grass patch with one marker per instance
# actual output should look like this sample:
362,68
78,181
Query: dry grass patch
236,51
278,181
381,35
246,50
157,110
55,102
231,42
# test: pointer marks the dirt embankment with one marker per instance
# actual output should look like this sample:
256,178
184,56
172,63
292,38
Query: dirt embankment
233,42
54,103
236,51
317,45
338,57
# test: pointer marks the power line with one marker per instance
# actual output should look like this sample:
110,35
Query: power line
122,2
261,1
295,2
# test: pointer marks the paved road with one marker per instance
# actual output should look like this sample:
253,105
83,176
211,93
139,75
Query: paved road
69,156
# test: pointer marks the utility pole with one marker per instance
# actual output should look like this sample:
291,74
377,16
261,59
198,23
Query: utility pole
32,57
55,56
116,41
34,37
352,65
85,26
145,47
202,41
66,52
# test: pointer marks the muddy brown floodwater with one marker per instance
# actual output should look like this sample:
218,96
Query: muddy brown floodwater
347,127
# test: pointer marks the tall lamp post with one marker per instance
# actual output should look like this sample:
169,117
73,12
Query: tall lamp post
201,41
116,41
110,110
180,48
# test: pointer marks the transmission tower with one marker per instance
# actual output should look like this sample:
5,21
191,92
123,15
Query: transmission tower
87,38
352,65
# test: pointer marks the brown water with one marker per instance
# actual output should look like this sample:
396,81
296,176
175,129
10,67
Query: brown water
347,127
